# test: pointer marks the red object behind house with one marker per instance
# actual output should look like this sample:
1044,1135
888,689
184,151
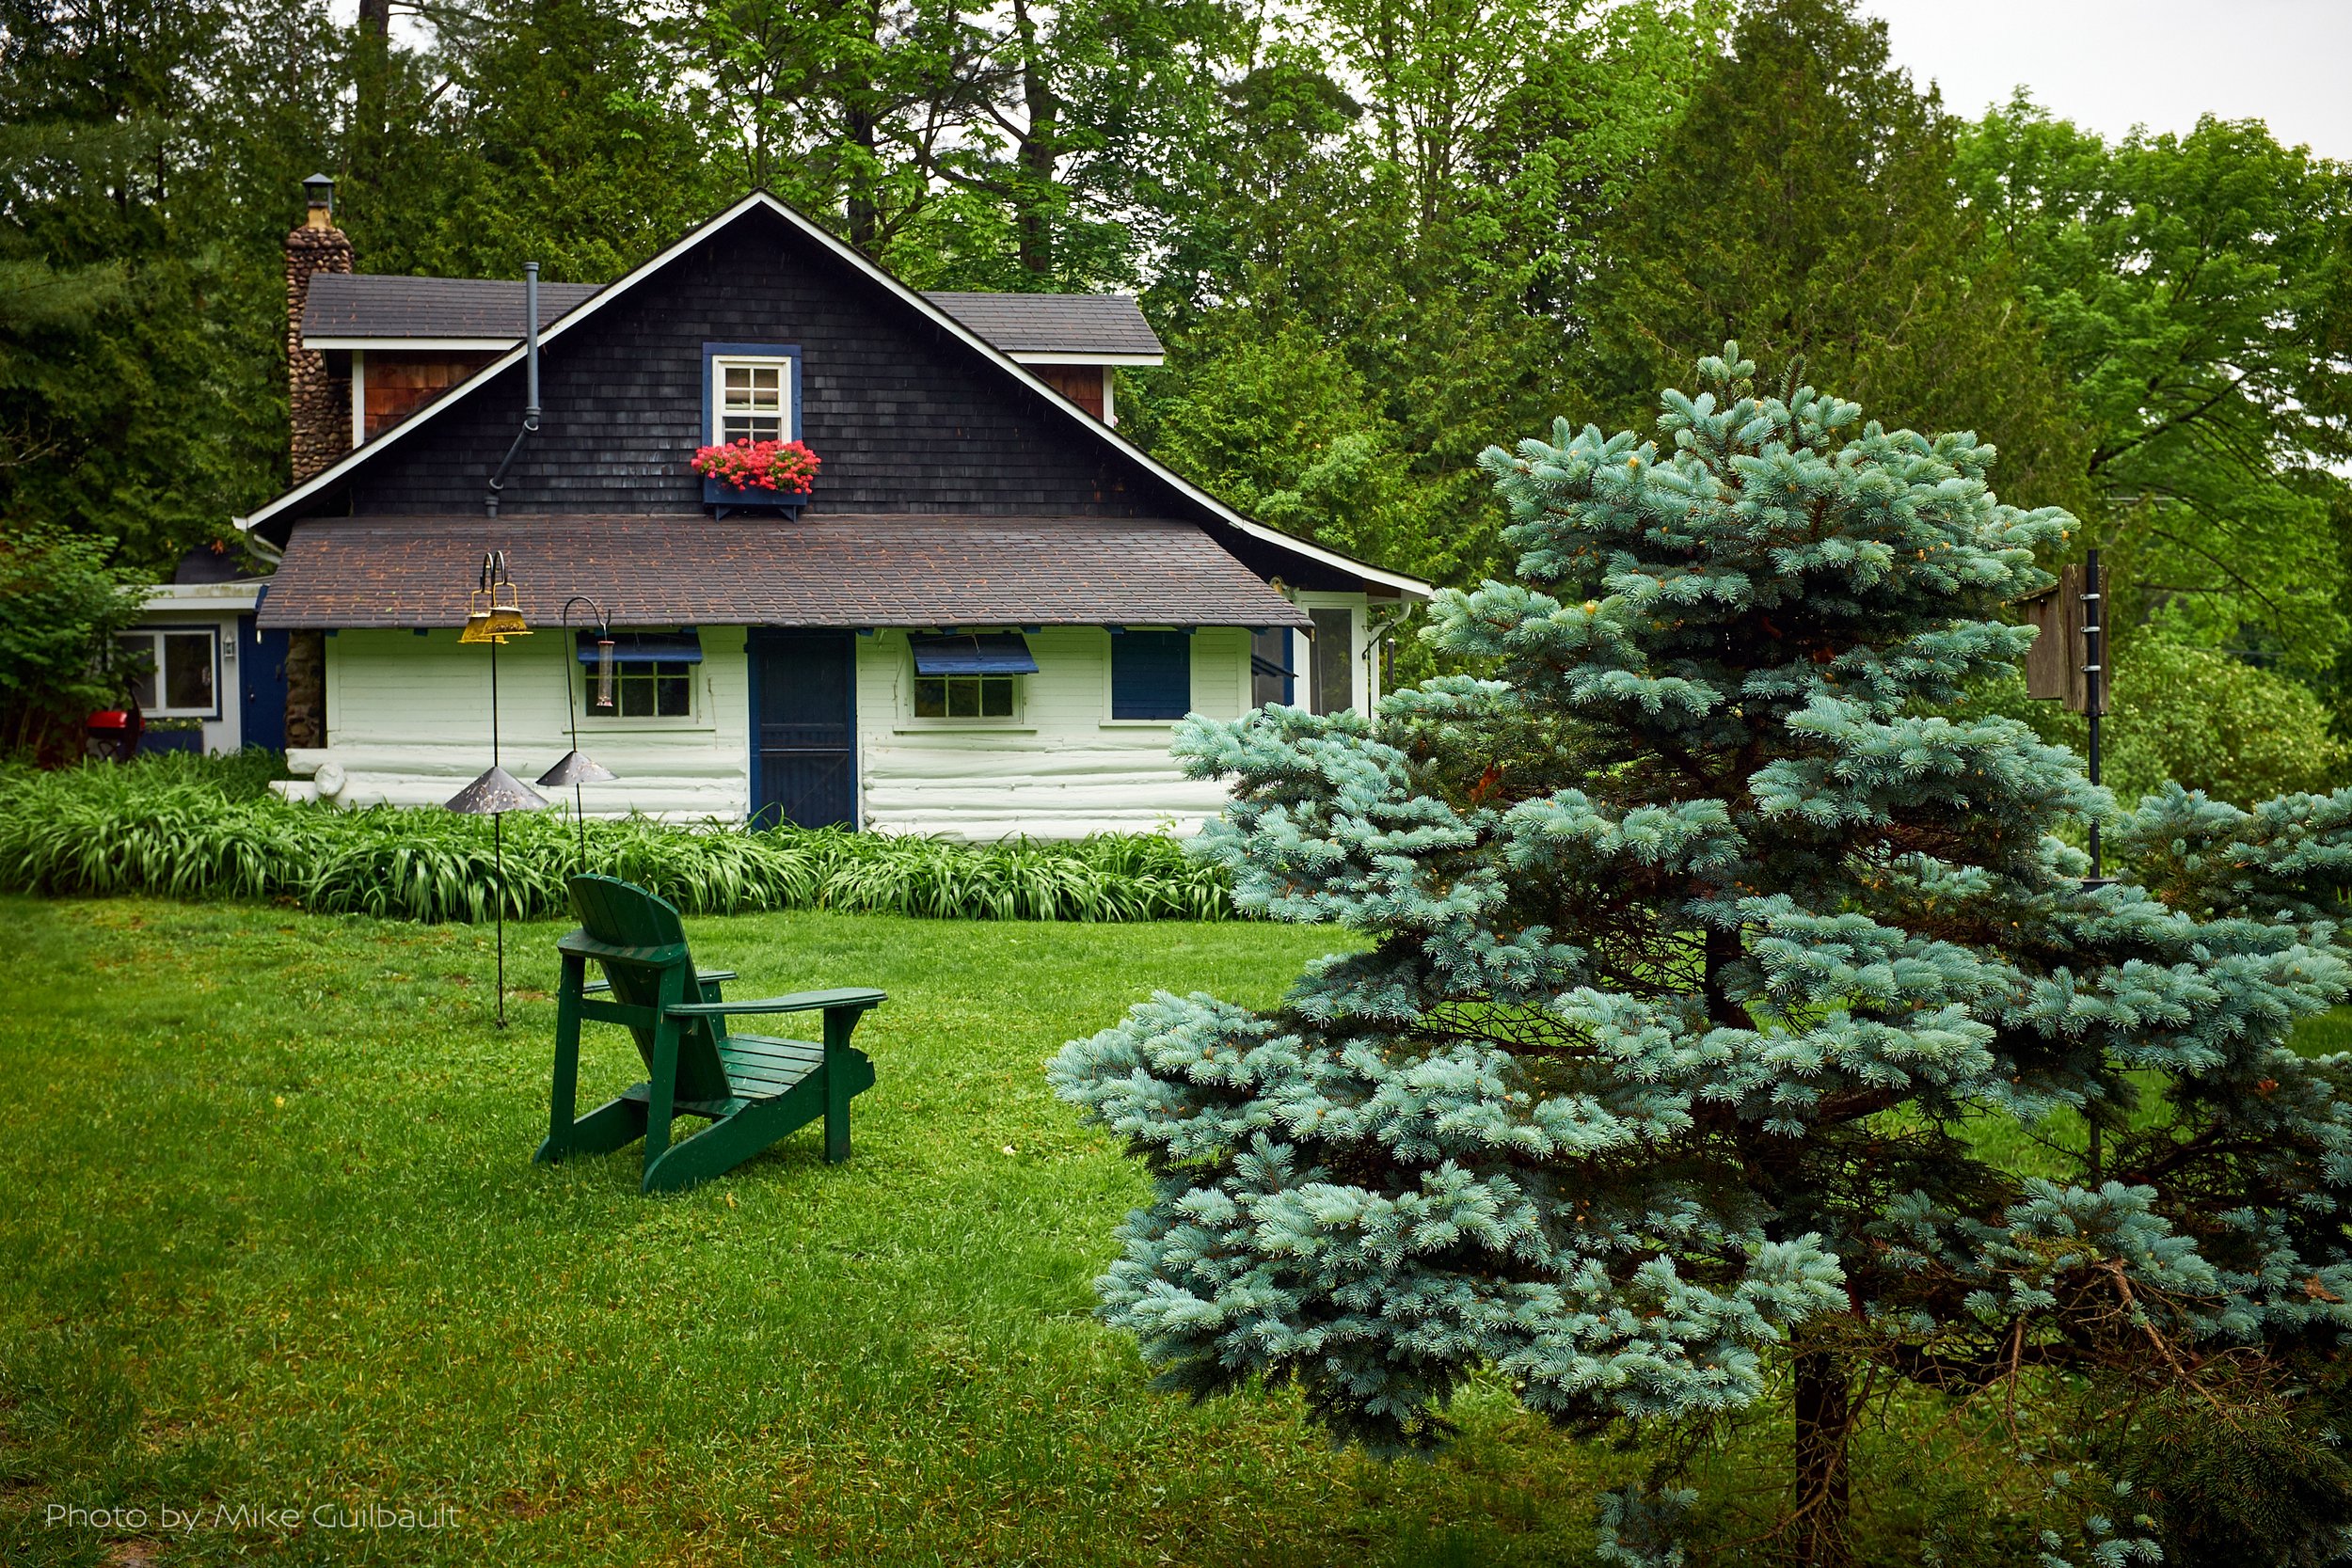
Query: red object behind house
114,733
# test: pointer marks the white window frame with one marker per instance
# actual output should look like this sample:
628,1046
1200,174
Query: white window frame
909,722
721,363
698,703
155,652
1016,719
1302,646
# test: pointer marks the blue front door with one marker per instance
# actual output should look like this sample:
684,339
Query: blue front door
803,728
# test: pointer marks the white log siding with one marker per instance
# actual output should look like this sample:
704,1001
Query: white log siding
1061,768
408,723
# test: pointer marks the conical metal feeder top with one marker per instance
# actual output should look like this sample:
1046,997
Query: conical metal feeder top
495,792
576,768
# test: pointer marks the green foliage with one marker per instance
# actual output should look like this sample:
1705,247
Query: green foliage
1804,205
560,134
2196,292
1663,1089
60,606
1279,426
2263,1481
188,830
2207,721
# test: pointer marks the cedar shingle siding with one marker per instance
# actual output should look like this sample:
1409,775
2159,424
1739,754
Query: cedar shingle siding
906,417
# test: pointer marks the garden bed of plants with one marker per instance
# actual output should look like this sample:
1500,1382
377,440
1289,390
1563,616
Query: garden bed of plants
189,828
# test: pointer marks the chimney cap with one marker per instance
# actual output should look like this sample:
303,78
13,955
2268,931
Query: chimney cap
320,188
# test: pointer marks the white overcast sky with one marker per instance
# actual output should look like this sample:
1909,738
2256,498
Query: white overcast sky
2109,65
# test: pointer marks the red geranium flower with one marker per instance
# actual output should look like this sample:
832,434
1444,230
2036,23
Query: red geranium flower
782,466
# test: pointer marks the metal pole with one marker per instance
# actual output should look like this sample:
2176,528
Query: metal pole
498,836
498,848
571,716
2095,694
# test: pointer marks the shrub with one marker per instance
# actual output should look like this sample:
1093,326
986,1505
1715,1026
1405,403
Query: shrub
187,828
60,606
2191,715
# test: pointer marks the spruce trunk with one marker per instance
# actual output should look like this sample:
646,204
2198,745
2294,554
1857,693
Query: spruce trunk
1823,1416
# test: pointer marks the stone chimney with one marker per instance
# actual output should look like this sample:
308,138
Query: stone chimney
318,404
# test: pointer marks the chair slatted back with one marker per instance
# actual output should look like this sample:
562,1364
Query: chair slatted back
638,940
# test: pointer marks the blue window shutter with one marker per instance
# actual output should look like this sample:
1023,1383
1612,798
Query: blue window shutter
1151,674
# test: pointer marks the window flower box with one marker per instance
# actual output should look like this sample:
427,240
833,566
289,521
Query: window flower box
756,476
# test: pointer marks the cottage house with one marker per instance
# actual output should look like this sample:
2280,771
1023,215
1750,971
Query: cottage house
984,620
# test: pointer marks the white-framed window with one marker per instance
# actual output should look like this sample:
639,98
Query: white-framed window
967,696
653,691
657,681
969,678
175,671
751,399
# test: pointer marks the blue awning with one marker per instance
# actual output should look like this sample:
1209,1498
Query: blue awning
646,647
993,652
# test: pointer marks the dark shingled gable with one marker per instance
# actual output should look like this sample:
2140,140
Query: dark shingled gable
906,417
830,570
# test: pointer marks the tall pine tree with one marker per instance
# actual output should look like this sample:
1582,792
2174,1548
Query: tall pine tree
1700,952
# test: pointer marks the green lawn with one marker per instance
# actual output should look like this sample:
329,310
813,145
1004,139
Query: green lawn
273,1241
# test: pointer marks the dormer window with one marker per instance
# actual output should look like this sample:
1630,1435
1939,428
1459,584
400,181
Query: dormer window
751,392
751,401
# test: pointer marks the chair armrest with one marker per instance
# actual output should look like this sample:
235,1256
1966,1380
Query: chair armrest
797,1002
703,977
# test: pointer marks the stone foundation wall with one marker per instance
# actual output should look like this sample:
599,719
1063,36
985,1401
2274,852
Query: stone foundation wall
306,688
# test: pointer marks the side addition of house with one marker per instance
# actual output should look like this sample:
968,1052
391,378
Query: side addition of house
984,620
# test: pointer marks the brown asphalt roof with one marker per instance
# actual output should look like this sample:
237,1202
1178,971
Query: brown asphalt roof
1054,323
371,304
885,570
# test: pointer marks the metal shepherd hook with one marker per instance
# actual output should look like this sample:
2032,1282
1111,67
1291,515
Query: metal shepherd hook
576,768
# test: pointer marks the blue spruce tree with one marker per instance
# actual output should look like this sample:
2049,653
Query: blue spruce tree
1698,945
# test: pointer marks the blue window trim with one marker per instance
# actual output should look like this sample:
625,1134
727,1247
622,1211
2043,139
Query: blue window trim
1151,674
1004,653
790,352
643,647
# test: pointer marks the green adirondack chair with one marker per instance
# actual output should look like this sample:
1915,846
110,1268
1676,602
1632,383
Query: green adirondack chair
754,1090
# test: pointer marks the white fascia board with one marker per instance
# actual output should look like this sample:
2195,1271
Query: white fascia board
232,597
474,345
1025,356
849,256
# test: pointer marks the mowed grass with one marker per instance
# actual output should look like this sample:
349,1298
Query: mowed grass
272,1240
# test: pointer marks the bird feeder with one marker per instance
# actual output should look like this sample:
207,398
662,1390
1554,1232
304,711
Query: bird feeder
493,614
494,609
576,768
